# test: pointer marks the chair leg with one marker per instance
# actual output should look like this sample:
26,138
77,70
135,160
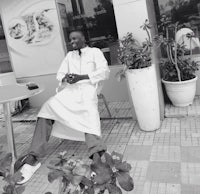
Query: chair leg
106,104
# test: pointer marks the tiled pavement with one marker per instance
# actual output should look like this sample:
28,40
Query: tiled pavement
166,161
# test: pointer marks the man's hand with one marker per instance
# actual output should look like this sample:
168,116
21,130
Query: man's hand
73,78
65,79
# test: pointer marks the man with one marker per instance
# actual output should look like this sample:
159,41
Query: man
73,112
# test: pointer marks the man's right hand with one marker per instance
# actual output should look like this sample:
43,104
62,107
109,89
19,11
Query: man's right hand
65,79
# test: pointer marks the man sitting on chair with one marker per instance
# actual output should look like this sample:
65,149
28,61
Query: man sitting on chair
73,112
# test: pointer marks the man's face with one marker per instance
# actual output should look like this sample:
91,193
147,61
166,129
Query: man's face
77,40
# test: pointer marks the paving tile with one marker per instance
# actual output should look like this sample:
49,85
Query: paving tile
138,173
161,161
164,172
190,173
190,189
190,154
140,137
192,110
137,152
165,154
161,188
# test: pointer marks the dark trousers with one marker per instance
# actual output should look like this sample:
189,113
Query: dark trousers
43,132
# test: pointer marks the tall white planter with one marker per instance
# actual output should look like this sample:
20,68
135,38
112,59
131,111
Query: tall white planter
144,93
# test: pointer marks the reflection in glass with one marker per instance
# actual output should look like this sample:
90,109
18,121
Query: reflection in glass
186,12
96,19
5,66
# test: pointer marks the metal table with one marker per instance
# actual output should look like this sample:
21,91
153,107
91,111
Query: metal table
9,93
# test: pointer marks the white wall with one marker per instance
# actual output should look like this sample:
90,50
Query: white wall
130,15
40,55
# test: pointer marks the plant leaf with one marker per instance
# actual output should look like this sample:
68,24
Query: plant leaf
17,177
89,191
20,189
86,182
124,167
81,170
117,157
53,175
125,181
76,180
8,189
5,164
109,159
113,189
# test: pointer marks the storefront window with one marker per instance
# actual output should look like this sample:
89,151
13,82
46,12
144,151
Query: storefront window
182,11
5,65
96,19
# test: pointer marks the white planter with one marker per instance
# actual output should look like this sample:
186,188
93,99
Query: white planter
144,93
181,93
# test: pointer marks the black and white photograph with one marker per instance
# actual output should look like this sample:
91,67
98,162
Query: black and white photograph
99,97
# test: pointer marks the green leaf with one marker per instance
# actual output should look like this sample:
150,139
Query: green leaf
5,164
125,181
86,182
117,157
8,189
89,191
55,162
124,167
113,189
76,180
81,170
20,189
109,159
53,175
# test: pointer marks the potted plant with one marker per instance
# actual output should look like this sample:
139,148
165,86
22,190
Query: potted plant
140,74
177,68
80,176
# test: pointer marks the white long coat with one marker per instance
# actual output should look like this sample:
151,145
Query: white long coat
75,108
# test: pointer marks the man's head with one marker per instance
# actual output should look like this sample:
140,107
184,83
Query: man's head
77,39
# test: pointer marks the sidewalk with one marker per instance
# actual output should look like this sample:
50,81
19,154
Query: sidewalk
163,162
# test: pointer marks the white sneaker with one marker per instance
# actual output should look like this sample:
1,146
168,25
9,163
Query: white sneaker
27,172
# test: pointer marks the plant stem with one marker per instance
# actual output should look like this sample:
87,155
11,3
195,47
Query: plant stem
15,191
175,55
169,52
60,191
190,47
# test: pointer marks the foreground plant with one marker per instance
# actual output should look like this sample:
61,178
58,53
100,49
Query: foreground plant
11,180
76,176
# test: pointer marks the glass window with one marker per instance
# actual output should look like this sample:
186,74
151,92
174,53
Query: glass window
96,19
5,65
183,11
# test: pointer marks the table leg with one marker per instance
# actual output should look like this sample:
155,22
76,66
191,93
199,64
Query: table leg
10,134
